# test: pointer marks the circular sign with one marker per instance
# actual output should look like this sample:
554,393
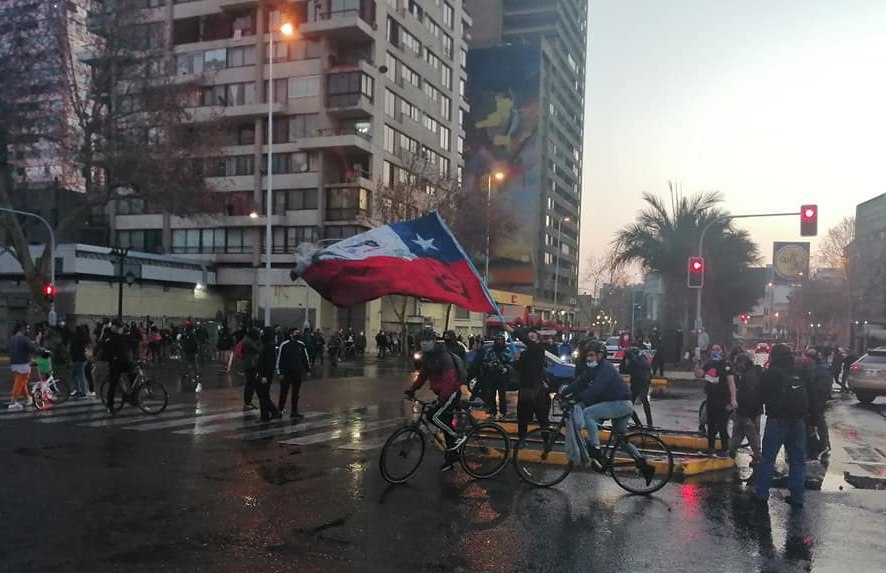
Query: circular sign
791,262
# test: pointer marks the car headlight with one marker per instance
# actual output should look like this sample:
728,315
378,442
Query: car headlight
416,356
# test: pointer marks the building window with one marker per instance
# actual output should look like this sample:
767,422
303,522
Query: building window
187,64
287,239
390,139
462,313
301,199
445,139
391,63
447,46
302,87
229,95
410,76
448,15
342,231
237,242
303,125
241,56
447,76
446,107
186,241
347,204
390,103
214,60
296,162
126,206
147,241
345,89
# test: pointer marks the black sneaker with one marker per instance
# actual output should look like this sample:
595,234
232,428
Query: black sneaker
596,458
111,412
793,503
647,471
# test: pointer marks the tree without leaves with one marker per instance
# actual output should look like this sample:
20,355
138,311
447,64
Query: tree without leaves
129,132
665,236
831,252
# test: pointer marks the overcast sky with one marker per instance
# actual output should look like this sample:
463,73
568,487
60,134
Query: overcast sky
772,102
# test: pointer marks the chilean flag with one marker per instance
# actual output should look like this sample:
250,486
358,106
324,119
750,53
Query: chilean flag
419,258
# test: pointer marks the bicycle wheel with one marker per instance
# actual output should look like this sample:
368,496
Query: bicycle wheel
540,458
402,454
641,463
485,451
151,397
59,391
38,398
119,395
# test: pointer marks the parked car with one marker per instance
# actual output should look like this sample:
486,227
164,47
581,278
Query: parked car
867,375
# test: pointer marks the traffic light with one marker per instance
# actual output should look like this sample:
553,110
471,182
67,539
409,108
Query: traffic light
695,275
49,291
743,317
808,220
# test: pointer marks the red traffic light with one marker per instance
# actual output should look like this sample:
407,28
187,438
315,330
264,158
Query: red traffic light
695,276
49,289
808,220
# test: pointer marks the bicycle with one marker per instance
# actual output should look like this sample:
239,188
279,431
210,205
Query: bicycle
540,458
150,396
49,391
483,447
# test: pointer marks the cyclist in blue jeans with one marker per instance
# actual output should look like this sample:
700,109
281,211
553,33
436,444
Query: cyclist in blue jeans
604,394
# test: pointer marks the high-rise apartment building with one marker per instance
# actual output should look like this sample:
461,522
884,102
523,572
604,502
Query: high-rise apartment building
360,92
527,72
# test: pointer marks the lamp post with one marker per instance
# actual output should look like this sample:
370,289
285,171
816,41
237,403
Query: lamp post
287,30
121,257
498,176
51,318
559,249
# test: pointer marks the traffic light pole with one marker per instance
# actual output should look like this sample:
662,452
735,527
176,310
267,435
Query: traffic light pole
698,323
52,318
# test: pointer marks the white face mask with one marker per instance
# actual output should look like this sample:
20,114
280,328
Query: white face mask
591,363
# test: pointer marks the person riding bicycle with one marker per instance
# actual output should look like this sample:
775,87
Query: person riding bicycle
439,369
603,394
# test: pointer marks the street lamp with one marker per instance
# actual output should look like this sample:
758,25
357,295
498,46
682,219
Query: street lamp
52,319
559,249
286,29
498,176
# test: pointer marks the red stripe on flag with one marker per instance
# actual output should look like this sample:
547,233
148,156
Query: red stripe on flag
346,282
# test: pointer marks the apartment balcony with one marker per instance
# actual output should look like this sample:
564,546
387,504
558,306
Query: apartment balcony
236,4
338,138
349,105
343,25
209,113
347,203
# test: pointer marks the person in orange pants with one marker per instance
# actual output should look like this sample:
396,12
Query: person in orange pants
21,349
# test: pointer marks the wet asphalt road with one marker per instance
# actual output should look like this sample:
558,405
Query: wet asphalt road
103,498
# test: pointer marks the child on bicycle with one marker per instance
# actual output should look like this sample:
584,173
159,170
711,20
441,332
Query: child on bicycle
439,369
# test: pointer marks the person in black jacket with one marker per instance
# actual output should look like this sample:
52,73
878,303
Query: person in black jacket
117,351
249,363
533,399
640,373
267,367
785,394
292,363
747,415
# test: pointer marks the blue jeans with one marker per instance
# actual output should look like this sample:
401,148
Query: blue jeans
78,376
792,435
618,410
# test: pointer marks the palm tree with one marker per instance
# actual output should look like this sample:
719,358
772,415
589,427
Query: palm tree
663,237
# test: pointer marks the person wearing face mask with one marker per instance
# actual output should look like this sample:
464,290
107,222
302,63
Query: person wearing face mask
495,370
438,368
721,397
603,393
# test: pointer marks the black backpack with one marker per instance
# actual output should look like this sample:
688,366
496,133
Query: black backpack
794,397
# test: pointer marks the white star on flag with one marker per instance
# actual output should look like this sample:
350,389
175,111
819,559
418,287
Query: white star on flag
425,244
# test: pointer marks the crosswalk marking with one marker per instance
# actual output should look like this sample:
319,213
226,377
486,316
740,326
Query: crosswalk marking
354,429
301,426
81,416
198,418
183,411
344,430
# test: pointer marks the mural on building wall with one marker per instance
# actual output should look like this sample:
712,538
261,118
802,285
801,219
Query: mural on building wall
503,134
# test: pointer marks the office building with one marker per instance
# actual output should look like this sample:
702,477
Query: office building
360,91
526,84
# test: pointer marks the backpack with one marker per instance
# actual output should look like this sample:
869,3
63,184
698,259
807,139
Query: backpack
460,369
794,398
